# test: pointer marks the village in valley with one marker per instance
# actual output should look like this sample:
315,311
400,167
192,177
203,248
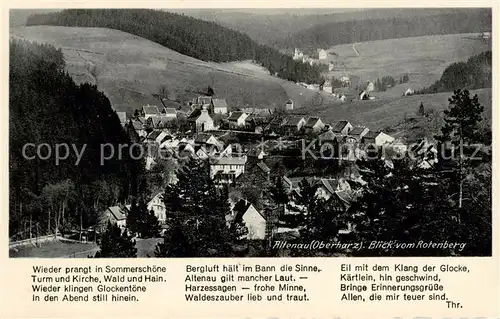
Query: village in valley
257,145
208,153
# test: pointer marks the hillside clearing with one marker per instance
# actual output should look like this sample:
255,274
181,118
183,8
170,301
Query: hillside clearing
423,58
130,69
389,113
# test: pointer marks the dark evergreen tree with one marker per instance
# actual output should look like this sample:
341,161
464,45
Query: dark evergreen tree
305,203
421,110
278,194
39,87
402,204
210,91
116,243
198,209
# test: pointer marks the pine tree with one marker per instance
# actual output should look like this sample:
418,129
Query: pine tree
462,119
461,130
150,226
403,204
421,110
116,243
305,203
177,242
198,210
134,218
279,195
210,91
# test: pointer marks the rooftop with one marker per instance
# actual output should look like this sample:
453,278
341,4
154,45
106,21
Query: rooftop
357,130
170,110
219,103
235,116
117,212
339,126
311,121
150,109
237,160
293,120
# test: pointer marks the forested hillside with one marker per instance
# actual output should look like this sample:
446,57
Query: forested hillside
49,113
270,26
474,74
203,40
329,34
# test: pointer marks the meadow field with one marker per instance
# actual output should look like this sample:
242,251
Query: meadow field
422,58
388,114
130,69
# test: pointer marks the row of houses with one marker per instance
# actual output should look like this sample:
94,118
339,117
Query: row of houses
299,55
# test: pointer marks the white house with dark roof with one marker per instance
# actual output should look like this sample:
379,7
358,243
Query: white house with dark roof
117,215
298,54
322,54
289,105
220,106
200,120
358,132
150,111
342,127
225,170
314,124
208,140
377,138
157,205
293,124
237,118
254,220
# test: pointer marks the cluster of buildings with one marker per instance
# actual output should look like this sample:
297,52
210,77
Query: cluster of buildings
299,55
228,162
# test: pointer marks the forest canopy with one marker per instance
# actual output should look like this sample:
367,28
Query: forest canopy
329,34
47,107
474,74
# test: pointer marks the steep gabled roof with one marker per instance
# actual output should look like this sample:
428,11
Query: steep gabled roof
194,115
150,109
311,122
117,212
153,135
327,136
201,137
339,126
235,116
293,120
184,109
371,134
329,184
263,167
137,125
170,110
219,103
240,209
357,130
